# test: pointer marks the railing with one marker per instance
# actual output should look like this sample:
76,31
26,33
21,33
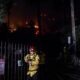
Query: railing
11,61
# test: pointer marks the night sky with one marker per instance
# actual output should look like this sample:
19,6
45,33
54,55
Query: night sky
53,12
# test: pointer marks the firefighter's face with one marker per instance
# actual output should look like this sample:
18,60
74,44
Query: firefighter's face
31,50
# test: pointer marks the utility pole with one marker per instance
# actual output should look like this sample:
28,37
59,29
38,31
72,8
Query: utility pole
74,57
73,25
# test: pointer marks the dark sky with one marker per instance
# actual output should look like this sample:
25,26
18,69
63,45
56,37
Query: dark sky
22,11
25,9
57,11
77,11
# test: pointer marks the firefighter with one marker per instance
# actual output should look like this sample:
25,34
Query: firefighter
32,59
